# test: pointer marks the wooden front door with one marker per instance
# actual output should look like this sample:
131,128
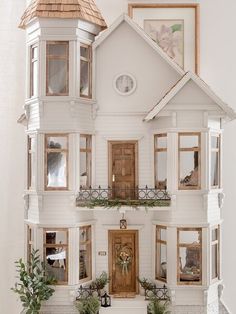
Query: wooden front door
122,169
123,261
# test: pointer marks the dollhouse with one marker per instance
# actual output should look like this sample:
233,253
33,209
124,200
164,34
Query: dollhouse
123,162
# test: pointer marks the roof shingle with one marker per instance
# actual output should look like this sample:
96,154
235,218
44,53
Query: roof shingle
81,9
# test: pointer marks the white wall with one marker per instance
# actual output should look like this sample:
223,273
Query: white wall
218,68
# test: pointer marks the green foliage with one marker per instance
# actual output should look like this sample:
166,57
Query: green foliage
146,284
89,305
176,28
34,286
156,306
100,282
111,203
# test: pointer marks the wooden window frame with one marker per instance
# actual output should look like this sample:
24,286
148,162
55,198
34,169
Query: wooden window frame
218,151
54,57
156,151
88,151
30,242
217,243
66,246
32,61
179,245
164,242
50,150
89,61
88,243
29,162
198,149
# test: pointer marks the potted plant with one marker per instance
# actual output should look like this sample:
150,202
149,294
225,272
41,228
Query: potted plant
89,305
157,306
146,284
100,282
34,286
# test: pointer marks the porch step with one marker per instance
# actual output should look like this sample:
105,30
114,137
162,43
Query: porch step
135,305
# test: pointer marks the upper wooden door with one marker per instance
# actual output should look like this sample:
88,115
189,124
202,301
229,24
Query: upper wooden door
123,169
123,261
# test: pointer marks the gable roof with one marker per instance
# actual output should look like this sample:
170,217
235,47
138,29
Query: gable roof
125,18
66,9
179,85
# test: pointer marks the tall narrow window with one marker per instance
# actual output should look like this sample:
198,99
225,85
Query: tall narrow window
30,243
161,254
85,254
33,70
56,160
30,163
85,160
189,161
160,151
215,161
85,71
57,82
215,250
56,253
189,256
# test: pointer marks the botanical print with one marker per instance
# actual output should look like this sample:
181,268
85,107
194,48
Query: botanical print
169,35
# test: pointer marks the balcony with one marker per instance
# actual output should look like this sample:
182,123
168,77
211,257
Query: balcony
117,197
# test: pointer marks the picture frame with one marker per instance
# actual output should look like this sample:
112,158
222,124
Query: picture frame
175,27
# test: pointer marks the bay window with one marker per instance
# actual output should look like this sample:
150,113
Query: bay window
189,161
215,160
85,253
85,71
85,160
56,161
160,159
57,68
161,253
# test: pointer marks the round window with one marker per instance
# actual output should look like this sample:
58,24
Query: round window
124,84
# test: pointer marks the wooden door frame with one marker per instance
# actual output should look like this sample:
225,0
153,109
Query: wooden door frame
110,143
136,232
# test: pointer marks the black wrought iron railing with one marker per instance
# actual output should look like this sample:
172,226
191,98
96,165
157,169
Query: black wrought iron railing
160,293
110,197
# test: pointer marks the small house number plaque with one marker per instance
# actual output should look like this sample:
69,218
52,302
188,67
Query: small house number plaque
102,253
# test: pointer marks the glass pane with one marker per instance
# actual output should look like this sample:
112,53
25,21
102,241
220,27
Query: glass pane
57,142
214,234
84,78
85,169
214,169
214,256
84,52
56,237
189,169
161,260
190,263
58,50
189,237
34,79
85,253
34,52
56,169
56,262
85,234
124,83
215,141
85,142
57,77
189,141
161,234
161,170
161,142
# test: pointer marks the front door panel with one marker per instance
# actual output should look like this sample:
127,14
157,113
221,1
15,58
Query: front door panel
123,261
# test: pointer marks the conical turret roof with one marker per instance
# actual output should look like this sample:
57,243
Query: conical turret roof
66,9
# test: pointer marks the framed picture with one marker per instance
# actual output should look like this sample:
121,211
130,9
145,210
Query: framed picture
174,27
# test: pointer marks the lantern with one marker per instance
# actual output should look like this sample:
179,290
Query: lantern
105,300
123,223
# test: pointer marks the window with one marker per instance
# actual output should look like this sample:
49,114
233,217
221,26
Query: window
189,256
30,163
215,161
161,253
85,71
56,159
56,253
85,160
57,82
33,70
215,253
189,161
30,243
160,151
85,254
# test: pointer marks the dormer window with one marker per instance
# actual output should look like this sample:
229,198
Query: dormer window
33,70
57,82
189,161
85,71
